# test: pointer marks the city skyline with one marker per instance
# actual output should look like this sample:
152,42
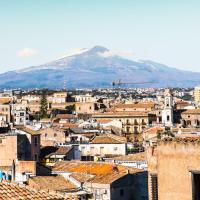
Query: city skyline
36,32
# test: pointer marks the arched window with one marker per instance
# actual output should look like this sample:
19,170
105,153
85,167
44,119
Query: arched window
167,102
168,117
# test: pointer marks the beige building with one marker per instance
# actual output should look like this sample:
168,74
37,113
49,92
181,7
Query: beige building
84,98
51,136
141,106
197,95
85,107
34,107
58,97
174,169
6,110
23,144
191,118
133,123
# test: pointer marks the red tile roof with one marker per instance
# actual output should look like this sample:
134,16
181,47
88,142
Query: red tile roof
52,183
104,173
108,139
21,192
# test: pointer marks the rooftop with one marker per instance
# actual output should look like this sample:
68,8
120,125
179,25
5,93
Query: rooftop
121,114
104,173
53,183
136,105
132,157
21,192
65,116
108,139
192,111
195,139
51,150
27,130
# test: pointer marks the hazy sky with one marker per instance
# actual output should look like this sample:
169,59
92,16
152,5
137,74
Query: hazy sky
33,32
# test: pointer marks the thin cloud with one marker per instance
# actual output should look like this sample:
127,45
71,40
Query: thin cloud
27,52
124,54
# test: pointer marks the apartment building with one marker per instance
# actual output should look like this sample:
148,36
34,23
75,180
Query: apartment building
133,123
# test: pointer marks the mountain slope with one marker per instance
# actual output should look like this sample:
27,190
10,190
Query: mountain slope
96,67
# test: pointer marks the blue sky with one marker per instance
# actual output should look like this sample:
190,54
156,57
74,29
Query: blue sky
33,32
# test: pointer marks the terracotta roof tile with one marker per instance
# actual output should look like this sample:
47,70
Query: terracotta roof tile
121,114
132,157
65,116
99,172
108,139
27,130
53,183
136,105
192,111
21,192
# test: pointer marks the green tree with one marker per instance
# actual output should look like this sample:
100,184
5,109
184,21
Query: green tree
43,105
70,109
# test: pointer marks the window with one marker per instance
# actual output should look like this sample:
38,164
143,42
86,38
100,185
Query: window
195,186
143,122
115,148
135,122
135,129
167,102
90,108
55,134
154,186
128,129
168,117
121,192
45,135
21,114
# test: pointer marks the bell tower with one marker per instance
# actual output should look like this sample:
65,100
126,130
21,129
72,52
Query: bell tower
167,113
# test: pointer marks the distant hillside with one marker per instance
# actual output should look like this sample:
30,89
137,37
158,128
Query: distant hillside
97,67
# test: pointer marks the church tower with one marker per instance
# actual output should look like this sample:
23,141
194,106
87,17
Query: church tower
167,113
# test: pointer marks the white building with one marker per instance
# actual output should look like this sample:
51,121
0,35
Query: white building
167,113
58,97
104,145
20,117
84,98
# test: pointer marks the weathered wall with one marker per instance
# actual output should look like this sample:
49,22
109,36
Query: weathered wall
175,160
8,150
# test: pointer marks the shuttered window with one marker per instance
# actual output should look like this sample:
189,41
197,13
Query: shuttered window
154,187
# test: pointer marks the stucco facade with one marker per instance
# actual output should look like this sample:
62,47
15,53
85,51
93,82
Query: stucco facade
174,164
